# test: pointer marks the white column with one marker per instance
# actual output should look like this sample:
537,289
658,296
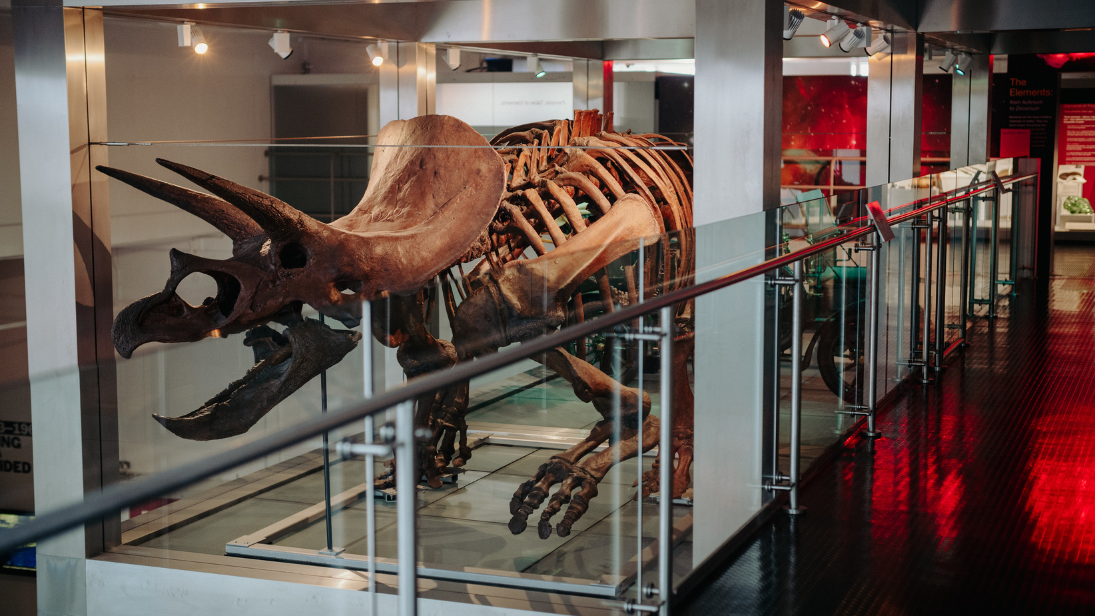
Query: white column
960,119
60,98
980,108
738,98
589,87
408,84
894,100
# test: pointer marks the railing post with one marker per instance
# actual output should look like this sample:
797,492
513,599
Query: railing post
796,386
327,514
639,458
964,284
872,334
994,252
925,333
665,469
914,299
776,368
941,290
370,514
1014,241
406,479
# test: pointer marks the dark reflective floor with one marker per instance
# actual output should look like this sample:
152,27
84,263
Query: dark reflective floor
979,500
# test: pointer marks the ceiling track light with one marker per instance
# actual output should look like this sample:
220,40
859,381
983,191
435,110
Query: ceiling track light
452,58
185,34
948,62
376,54
280,44
535,67
836,31
852,39
880,45
190,35
963,65
792,18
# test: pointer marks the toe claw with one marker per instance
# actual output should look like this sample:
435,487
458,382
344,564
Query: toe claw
544,529
518,524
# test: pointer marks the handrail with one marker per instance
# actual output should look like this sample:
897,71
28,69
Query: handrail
114,498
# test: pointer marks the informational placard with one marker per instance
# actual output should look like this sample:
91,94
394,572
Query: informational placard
506,104
1031,103
1077,135
878,217
16,466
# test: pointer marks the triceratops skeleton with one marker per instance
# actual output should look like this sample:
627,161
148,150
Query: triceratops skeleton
440,197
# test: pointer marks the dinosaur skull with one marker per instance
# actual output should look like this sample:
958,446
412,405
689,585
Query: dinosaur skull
425,206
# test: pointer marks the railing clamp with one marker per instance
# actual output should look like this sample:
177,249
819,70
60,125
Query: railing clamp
779,481
631,607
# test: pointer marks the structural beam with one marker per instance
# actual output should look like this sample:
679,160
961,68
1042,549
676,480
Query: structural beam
453,22
739,78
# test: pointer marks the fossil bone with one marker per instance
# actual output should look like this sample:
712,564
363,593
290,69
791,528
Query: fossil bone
564,189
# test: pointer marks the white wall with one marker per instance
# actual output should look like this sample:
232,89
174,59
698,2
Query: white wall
11,230
158,91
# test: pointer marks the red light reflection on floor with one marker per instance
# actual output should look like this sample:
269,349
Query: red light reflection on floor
926,481
1061,493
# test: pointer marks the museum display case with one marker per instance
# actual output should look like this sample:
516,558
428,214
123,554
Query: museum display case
294,236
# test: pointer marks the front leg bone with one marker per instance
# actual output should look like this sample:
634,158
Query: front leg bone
579,479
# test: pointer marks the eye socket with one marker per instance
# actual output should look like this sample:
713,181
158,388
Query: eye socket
293,256
348,287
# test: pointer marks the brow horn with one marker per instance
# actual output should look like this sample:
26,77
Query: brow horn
278,219
215,211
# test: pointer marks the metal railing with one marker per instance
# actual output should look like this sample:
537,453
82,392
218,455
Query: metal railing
401,440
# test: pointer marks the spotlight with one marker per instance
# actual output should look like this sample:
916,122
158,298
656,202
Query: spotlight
836,31
880,45
280,44
452,58
948,62
375,55
535,67
964,62
200,46
793,19
850,40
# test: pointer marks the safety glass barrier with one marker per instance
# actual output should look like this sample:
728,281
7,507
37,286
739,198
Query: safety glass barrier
556,429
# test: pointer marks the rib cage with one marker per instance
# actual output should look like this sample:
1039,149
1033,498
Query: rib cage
554,167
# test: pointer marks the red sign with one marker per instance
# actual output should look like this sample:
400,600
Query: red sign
1014,142
1077,135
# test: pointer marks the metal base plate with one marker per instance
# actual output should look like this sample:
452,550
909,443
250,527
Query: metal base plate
795,512
870,434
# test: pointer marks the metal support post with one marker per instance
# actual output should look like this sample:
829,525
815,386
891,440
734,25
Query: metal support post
964,283
941,291
925,333
994,253
665,469
776,368
370,515
914,299
1013,243
796,387
639,458
330,551
872,334
406,475
973,301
